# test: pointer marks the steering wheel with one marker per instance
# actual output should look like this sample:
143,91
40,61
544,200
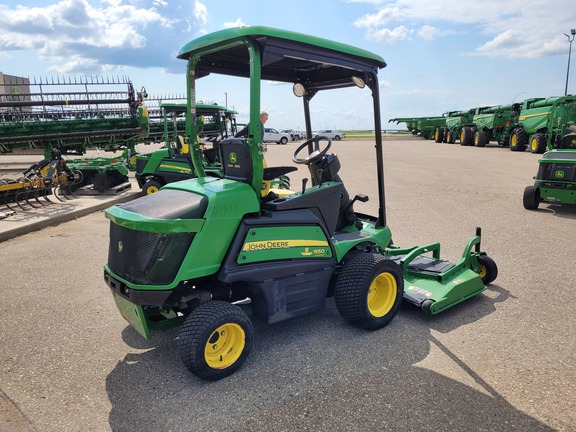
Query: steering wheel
316,154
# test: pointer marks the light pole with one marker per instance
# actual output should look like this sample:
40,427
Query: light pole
517,96
570,39
226,99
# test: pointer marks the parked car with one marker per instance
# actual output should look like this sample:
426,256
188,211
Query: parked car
296,135
331,133
272,135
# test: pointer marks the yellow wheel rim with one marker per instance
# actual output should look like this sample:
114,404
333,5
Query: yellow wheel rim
534,144
224,346
513,140
382,294
151,190
482,271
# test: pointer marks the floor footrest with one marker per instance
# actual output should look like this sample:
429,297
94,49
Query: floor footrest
424,263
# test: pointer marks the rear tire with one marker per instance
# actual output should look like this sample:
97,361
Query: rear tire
488,269
531,198
369,290
215,340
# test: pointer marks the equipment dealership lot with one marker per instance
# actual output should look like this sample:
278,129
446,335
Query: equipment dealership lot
502,361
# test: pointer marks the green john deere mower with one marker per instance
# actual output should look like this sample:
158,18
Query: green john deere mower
555,181
173,162
208,253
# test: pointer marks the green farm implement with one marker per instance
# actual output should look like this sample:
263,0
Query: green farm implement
208,254
495,123
49,177
461,124
425,127
65,117
543,123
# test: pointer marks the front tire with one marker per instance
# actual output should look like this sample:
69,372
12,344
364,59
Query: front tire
369,290
283,140
439,135
488,269
215,340
466,136
518,140
480,138
150,187
531,198
538,143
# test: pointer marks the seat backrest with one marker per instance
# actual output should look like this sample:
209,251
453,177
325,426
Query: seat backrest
236,160
182,146
568,141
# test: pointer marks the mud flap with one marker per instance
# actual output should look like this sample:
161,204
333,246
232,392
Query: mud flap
134,314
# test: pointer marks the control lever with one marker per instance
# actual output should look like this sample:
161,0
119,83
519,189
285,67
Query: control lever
361,198
304,181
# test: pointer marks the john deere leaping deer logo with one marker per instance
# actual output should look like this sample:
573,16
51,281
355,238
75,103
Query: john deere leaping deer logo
559,174
233,158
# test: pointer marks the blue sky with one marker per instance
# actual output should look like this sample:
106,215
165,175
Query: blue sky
442,55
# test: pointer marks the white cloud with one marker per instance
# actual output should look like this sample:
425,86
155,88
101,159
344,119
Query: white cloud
81,66
200,12
387,35
383,84
428,32
382,17
237,23
515,28
74,35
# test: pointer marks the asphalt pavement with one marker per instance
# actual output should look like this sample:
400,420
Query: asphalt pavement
501,361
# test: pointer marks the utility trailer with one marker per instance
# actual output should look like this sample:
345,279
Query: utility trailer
210,254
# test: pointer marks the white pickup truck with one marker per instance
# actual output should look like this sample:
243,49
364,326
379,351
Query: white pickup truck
331,133
295,134
272,135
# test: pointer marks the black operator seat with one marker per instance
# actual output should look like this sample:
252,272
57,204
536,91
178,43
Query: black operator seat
236,162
